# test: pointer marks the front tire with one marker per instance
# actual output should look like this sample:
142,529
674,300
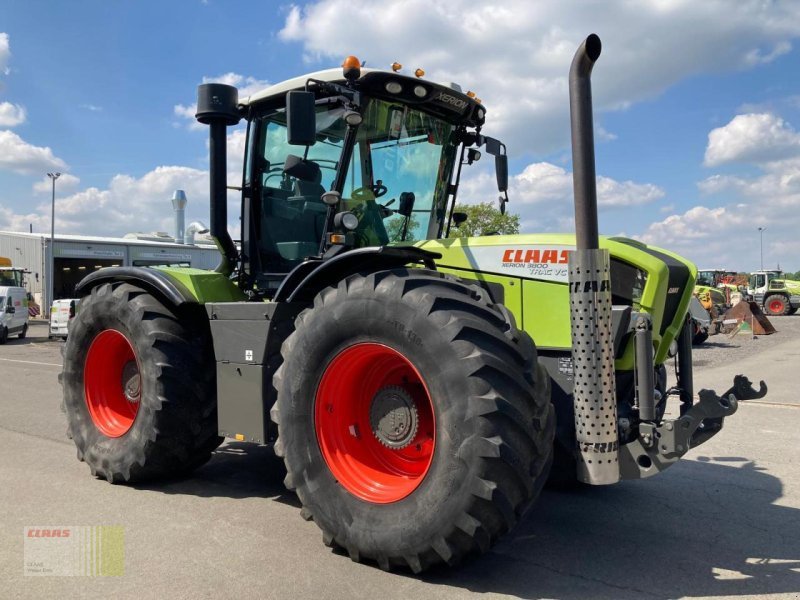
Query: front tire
427,430
776,305
139,387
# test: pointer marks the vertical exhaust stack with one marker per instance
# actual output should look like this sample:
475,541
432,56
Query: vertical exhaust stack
217,107
594,392
179,205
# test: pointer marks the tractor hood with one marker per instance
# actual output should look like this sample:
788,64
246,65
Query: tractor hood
533,272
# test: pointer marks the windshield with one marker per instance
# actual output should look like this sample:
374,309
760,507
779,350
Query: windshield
10,277
405,159
396,181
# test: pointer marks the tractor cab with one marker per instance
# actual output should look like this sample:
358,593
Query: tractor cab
351,158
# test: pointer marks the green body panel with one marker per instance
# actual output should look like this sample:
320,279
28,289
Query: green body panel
205,286
789,285
537,265
550,298
717,295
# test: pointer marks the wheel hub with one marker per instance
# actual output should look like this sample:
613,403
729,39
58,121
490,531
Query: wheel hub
131,382
393,417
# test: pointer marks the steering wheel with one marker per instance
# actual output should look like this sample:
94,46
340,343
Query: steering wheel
379,189
362,194
365,193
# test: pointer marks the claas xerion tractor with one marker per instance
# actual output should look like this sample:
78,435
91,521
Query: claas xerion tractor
421,390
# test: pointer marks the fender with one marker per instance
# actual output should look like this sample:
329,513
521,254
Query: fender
155,282
308,278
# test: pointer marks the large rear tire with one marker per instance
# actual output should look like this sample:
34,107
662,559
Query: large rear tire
423,429
139,387
776,305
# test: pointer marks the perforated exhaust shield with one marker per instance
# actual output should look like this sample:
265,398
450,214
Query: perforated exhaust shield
594,392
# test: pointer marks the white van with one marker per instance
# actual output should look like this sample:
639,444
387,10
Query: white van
61,313
13,312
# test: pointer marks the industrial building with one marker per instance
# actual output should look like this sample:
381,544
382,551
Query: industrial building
75,256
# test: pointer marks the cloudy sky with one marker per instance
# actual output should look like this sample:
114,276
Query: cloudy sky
697,106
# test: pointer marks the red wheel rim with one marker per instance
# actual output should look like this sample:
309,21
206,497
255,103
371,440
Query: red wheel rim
776,306
112,384
345,421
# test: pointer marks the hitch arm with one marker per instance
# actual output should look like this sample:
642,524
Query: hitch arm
660,446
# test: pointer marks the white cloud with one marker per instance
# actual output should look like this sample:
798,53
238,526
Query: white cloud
246,84
11,115
5,53
21,157
727,234
128,204
65,183
92,107
516,54
542,194
752,138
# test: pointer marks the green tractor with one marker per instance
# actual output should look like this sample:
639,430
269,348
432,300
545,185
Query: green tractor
775,294
421,390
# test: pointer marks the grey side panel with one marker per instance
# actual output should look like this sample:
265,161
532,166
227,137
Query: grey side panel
240,405
247,338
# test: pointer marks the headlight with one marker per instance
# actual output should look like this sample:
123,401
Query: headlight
393,87
346,219
673,348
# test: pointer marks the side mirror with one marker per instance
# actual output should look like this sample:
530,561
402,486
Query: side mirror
459,218
10,310
498,149
406,203
301,118
501,171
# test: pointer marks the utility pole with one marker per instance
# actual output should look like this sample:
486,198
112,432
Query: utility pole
51,262
761,244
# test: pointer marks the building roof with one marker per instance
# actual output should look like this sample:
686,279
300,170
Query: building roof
67,237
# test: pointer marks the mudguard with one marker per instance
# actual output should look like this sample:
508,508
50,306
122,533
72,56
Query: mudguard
155,282
308,278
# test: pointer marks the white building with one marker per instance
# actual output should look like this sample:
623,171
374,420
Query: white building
76,256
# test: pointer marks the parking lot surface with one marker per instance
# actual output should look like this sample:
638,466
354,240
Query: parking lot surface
723,523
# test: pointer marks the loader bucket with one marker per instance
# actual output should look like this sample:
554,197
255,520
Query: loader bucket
750,313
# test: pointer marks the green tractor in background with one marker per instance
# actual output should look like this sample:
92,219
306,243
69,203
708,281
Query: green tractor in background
421,390
774,293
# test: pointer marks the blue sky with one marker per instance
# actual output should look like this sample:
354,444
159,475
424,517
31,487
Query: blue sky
697,106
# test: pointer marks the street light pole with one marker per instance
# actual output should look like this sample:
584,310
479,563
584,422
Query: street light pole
51,261
761,244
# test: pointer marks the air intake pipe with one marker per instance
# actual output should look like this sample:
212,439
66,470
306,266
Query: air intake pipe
217,108
594,389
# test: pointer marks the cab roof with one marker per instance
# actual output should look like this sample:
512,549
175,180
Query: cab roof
443,99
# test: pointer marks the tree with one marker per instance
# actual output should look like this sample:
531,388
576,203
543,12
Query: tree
394,228
484,219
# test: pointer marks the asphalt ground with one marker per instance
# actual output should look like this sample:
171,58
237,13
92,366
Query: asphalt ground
722,523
